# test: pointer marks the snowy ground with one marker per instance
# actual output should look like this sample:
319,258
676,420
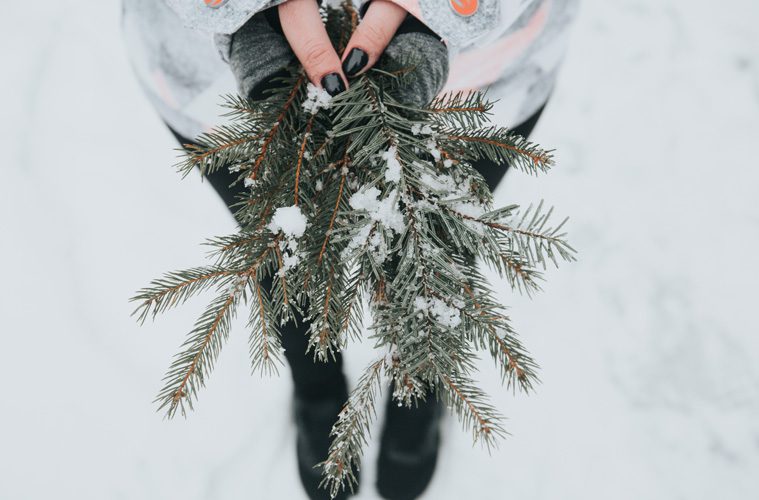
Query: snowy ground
648,345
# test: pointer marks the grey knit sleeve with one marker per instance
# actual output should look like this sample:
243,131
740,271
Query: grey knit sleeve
257,52
430,59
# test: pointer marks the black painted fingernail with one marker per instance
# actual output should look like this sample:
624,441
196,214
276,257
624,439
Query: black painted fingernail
333,84
355,61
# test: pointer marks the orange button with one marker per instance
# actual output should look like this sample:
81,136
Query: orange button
464,8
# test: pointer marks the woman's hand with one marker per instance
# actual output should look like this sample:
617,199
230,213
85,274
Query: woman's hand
304,30
270,40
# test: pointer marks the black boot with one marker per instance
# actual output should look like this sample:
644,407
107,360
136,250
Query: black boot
408,449
313,422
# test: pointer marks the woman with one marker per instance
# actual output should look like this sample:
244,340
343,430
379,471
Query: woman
188,52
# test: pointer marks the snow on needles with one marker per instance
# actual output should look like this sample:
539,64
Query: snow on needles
456,195
421,129
292,223
316,99
393,170
385,210
443,313
289,220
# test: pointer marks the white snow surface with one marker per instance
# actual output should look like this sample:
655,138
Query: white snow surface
647,345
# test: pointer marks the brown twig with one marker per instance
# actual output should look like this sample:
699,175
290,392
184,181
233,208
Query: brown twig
281,273
484,424
197,158
180,392
510,358
332,219
455,109
306,135
275,127
537,160
262,311
183,285
323,332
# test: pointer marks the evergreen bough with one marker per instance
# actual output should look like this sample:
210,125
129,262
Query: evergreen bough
396,218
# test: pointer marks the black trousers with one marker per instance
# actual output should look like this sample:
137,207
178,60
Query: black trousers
314,379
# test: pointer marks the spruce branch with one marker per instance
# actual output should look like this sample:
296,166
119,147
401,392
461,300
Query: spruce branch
188,371
351,431
276,126
465,110
500,145
475,413
265,344
363,202
175,288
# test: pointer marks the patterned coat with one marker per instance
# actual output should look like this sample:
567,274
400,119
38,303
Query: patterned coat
513,47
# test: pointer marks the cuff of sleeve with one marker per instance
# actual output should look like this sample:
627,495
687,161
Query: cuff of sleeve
223,44
223,41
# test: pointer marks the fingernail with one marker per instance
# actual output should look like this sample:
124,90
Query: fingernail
333,84
355,61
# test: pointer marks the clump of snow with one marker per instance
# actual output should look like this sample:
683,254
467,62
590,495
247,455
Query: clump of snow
441,183
421,129
468,208
357,241
378,246
433,149
238,286
423,204
385,211
289,220
317,98
456,194
429,249
443,313
289,261
447,163
393,170
392,356
250,182
319,185
421,304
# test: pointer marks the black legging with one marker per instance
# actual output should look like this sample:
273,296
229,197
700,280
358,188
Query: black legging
313,380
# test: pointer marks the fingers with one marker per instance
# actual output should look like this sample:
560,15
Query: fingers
308,38
372,36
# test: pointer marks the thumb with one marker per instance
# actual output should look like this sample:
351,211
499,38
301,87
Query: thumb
372,36
304,29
